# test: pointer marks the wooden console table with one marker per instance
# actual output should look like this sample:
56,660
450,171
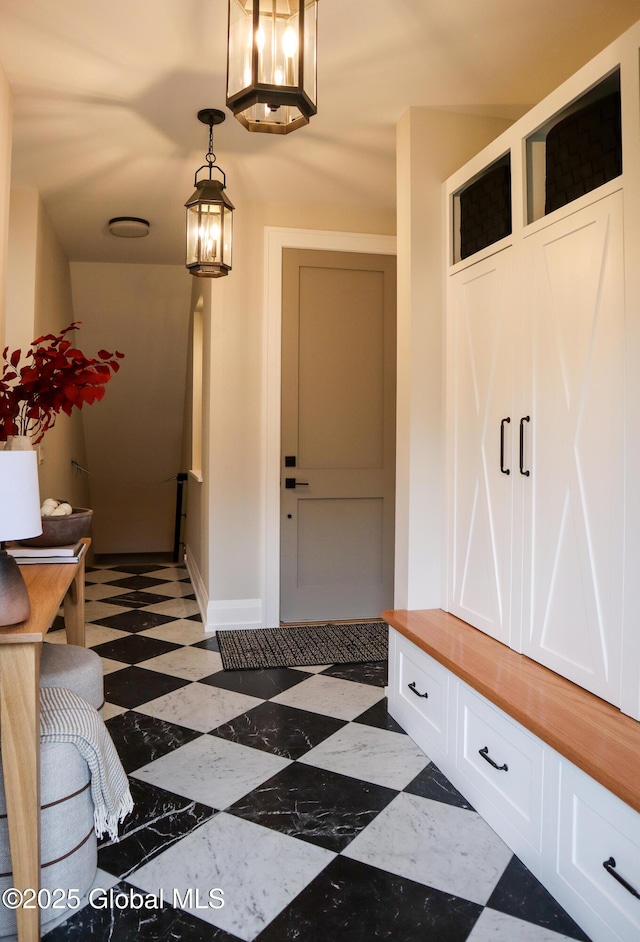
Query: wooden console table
50,585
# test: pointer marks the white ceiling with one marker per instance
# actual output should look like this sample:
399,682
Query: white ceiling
106,96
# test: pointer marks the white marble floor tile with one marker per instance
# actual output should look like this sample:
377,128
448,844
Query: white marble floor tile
199,706
177,608
93,610
342,699
213,771
493,926
188,663
436,844
375,755
180,631
94,634
109,665
177,573
96,592
102,575
173,590
112,709
99,634
259,871
315,668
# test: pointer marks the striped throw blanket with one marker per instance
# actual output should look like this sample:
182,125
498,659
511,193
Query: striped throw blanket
66,717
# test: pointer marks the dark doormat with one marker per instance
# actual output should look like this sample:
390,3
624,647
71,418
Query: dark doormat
303,645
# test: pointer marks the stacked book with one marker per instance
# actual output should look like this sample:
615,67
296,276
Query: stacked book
45,554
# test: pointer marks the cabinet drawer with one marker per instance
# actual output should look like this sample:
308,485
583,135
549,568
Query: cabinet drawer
420,695
503,765
596,827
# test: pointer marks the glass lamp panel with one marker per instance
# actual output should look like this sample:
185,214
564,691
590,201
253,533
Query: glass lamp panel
210,231
193,228
240,47
309,78
277,41
227,235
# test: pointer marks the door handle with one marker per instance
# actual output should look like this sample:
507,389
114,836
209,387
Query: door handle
610,866
484,752
291,483
524,419
502,467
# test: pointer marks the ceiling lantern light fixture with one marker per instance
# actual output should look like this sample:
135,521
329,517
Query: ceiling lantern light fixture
209,214
271,63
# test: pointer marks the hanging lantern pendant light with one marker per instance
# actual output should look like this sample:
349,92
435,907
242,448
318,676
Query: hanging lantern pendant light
271,63
209,214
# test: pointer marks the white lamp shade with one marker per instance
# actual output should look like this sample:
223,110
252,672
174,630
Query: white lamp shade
19,495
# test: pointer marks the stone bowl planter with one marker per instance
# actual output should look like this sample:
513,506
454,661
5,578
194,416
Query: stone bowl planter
61,531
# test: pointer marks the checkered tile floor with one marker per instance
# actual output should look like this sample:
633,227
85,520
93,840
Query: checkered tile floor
290,794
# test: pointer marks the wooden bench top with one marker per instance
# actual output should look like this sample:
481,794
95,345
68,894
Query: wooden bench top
588,731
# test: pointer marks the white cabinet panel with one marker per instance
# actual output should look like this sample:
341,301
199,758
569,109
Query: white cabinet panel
574,448
480,412
502,768
419,696
598,837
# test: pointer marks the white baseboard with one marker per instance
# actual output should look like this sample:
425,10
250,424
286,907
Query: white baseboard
198,585
222,613
234,613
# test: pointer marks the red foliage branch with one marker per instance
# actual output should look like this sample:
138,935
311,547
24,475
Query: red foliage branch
55,378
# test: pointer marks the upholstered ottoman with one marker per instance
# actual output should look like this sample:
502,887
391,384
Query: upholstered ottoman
75,668
68,839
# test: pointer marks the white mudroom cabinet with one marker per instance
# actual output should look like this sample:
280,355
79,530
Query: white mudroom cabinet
525,689
541,303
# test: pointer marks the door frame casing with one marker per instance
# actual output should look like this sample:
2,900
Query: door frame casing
275,240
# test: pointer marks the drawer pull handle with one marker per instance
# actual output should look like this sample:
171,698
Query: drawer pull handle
412,688
610,865
484,752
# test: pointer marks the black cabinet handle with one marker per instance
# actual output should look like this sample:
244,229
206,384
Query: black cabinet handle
524,419
609,865
484,752
412,688
290,483
502,467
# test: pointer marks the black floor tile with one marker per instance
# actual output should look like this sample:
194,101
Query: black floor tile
378,715
279,729
374,673
134,620
159,819
132,686
139,739
314,805
209,644
353,902
136,599
519,894
134,923
134,649
264,683
431,783
137,582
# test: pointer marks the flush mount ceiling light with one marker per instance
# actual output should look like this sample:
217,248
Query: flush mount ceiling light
129,227
209,214
271,63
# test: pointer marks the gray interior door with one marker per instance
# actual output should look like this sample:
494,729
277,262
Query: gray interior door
338,435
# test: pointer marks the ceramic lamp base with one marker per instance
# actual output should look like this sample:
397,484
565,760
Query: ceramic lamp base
14,598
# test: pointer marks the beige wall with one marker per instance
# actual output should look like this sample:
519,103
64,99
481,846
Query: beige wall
431,145
21,273
39,302
231,497
6,117
134,435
